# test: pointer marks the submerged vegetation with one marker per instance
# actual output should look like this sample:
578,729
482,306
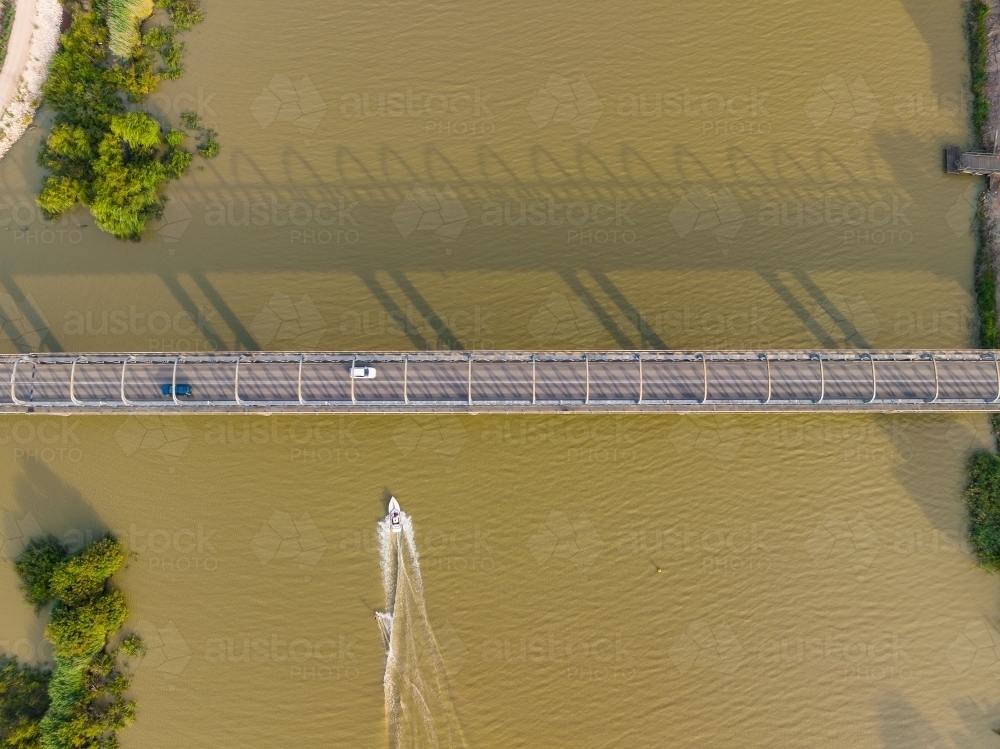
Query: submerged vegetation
80,704
102,153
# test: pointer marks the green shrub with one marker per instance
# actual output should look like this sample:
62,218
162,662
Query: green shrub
84,706
113,161
36,567
81,577
23,701
982,498
133,646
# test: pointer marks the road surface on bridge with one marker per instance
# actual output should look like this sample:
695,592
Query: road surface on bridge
504,381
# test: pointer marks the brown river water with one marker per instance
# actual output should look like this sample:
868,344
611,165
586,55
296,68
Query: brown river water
430,175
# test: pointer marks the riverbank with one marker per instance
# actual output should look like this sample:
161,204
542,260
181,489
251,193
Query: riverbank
7,8
33,41
984,19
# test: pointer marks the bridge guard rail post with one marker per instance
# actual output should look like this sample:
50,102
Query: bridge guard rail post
302,360
173,381
639,402
13,382
704,367
937,381
997,365
822,380
874,380
125,400
72,380
767,360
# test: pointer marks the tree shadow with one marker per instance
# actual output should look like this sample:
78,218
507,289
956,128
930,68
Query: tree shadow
57,507
901,726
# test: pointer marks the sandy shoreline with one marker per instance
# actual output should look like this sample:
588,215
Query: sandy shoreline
33,41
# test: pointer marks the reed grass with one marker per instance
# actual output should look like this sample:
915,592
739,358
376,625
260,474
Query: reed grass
124,19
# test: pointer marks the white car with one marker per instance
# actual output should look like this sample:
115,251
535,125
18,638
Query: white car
362,373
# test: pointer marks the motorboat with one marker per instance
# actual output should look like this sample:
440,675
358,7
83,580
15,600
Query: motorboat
395,516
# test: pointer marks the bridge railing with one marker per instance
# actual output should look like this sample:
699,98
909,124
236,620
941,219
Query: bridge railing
503,380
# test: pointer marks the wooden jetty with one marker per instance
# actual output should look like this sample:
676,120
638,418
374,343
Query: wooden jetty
970,162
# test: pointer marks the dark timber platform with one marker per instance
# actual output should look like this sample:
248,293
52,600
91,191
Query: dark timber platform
970,162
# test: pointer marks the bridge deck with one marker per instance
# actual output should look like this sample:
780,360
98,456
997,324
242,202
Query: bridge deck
504,381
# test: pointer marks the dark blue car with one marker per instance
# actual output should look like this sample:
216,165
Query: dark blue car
183,391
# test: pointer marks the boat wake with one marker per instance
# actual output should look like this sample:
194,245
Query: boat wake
418,708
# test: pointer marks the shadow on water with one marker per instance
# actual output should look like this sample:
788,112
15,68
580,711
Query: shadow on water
901,726
244,338
790,300
57,507
851,334
30,313
648,336
929,19
581,292
392,309
445,335
184,299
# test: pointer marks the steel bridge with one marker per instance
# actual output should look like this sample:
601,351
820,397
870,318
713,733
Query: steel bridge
502,381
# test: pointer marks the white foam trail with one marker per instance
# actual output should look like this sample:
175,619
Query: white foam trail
419,712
